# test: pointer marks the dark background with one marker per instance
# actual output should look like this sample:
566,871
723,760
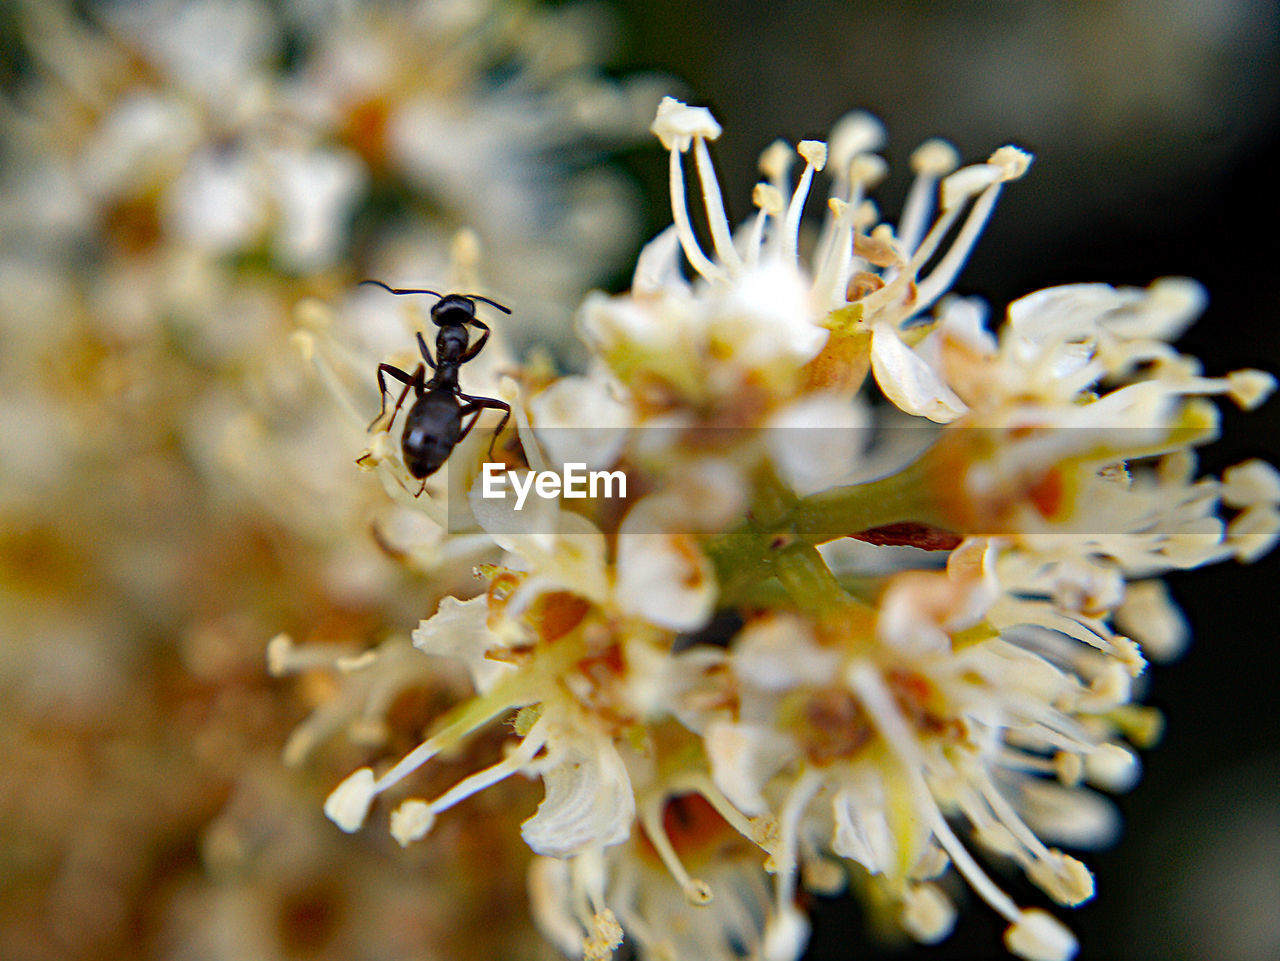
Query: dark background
1155,131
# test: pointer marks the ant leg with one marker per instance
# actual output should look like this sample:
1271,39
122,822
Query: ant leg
479,404
473,409
478,345
426,354
413,380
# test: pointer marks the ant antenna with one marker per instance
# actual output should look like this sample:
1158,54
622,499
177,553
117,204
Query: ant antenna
435,293
491,303
402,290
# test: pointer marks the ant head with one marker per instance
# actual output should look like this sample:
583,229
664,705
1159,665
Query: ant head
451,310
460,309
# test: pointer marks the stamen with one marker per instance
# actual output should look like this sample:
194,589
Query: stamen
927,914
679,127
717,220
1007,163
786,932
349,802
307,344
604,933
1008,817
855,174
286,657
884,714
775,163
684,229
854,133
785,856
1249,387
704,786
604,939
897,288
833,276
1039,936
834,253
943,276
493,774
931,161
769,201
696,892
814,153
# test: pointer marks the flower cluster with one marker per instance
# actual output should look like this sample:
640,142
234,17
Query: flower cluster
876,599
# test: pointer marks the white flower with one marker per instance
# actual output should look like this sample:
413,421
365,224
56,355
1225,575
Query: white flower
589,802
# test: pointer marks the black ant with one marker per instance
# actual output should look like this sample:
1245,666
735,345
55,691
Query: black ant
433,426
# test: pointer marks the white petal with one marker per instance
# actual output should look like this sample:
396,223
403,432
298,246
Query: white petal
1170,306
908,381
315,192
1069,312
965,319
743,758
216,204
765,317
588,803
459,630
663,577
862,829
629,324
658,266
817,441
778,652
579,421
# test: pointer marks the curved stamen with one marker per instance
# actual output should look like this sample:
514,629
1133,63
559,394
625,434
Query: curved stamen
888,720
684,229
815,154
696,892
717,220
931,161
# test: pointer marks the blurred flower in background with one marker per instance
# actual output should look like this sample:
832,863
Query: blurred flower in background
175,178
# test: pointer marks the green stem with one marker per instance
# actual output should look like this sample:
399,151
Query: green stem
808,581
841,511
782,527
